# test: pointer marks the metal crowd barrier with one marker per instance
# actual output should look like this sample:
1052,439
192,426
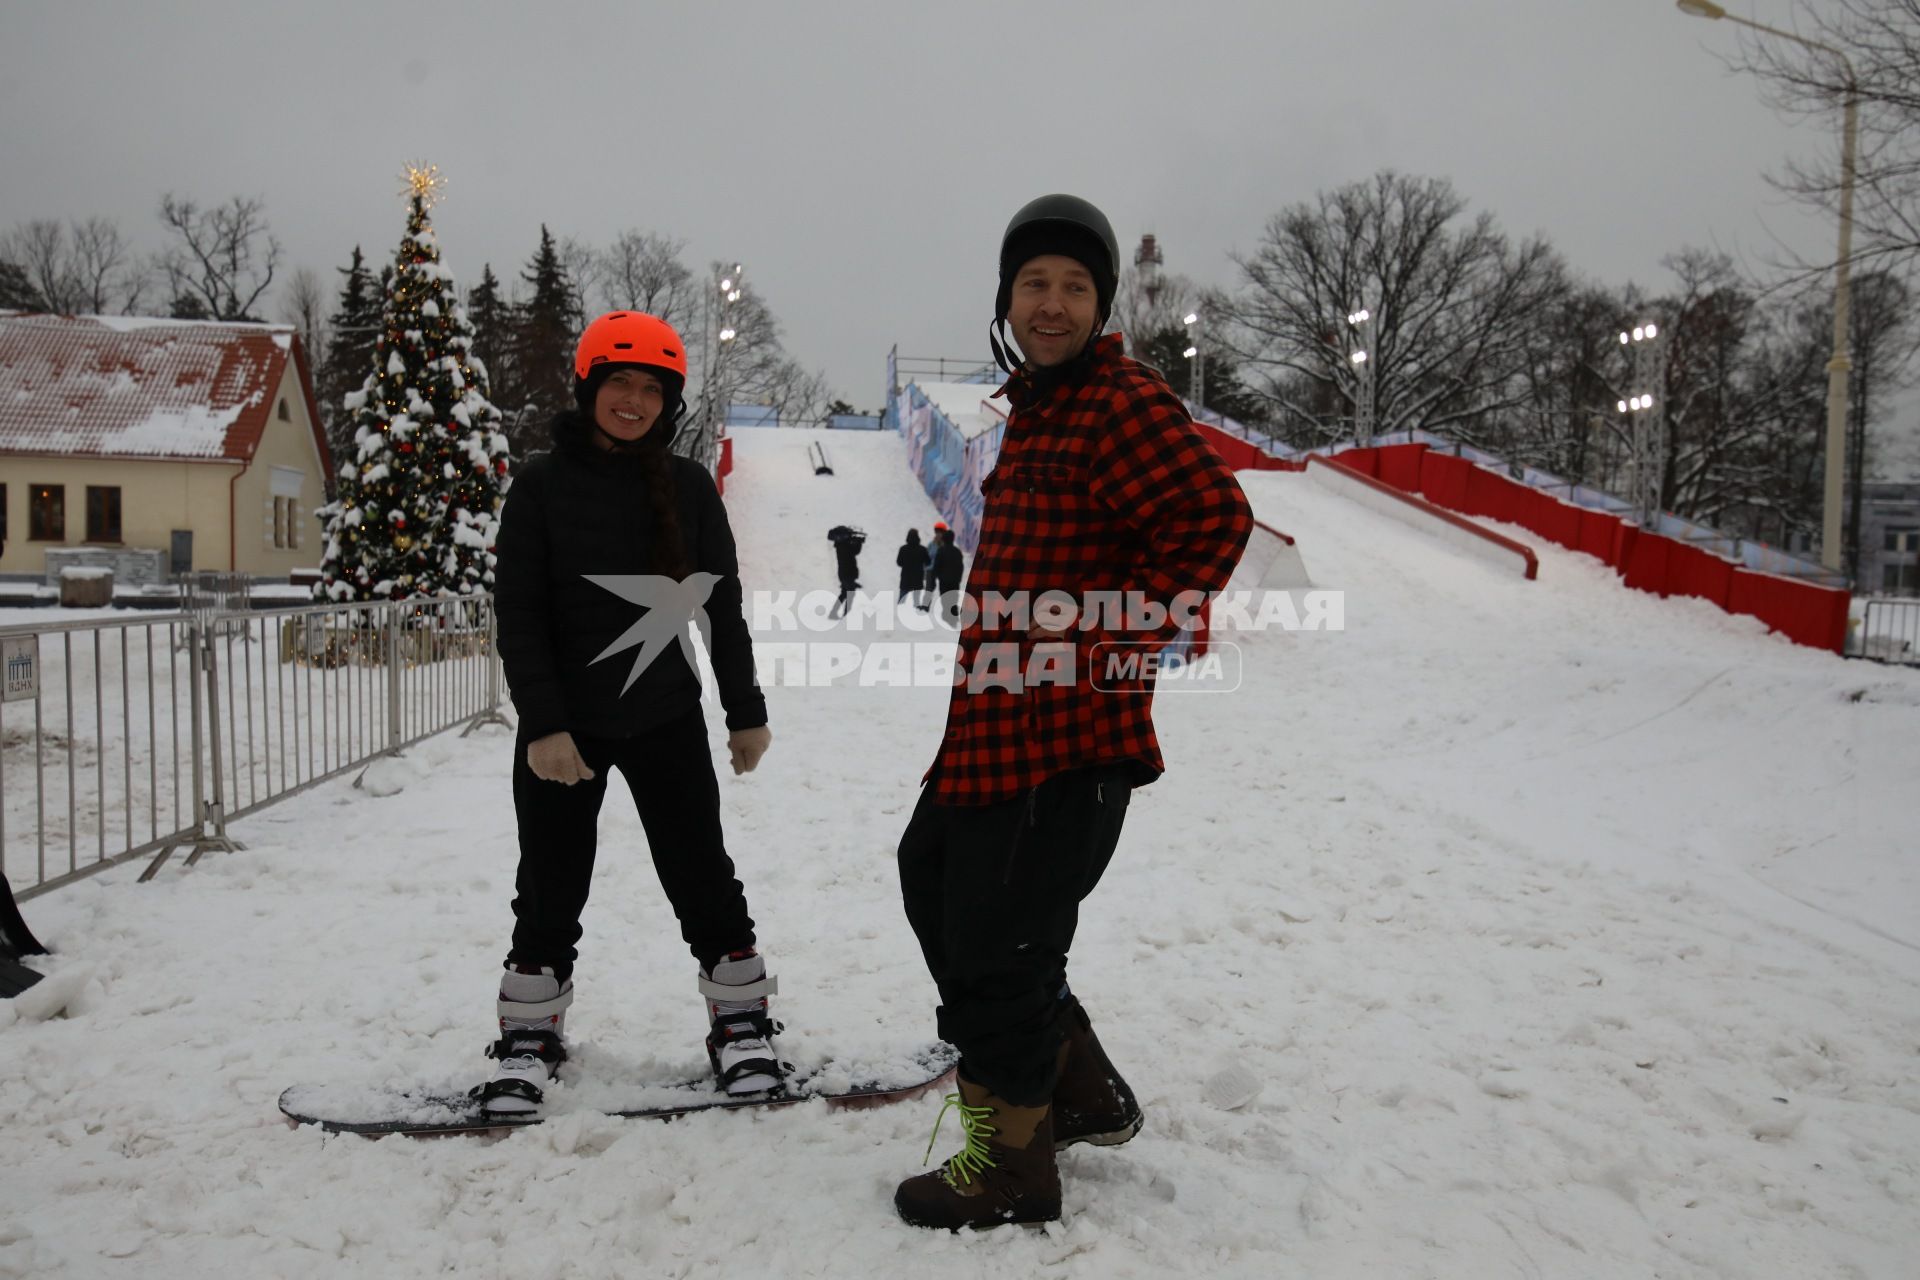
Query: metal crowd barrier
148,736
1890,632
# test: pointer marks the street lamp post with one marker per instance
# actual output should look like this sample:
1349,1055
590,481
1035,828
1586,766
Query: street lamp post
1363,364
1841,364
716,331
1647,415
1196,352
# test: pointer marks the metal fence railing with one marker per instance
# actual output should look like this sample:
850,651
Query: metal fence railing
147,736
1890,631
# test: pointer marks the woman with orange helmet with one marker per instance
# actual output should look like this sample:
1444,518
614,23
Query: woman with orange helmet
609,546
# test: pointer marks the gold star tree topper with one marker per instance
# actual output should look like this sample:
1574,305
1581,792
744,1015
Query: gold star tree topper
423,181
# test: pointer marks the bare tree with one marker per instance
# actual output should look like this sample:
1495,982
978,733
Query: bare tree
82,268
1882,344
584,271
746,364
1139,314
1879,41
40,249
1453,303
107,271
225,257
643,271
303,304
798,395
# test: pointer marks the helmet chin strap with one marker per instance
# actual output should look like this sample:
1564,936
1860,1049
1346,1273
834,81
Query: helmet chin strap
1003,354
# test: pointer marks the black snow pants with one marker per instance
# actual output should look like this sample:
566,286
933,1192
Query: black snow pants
670,772
993,892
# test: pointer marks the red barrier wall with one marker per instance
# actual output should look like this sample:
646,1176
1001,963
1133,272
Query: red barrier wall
1693,572
1444,480
1803,612
1796,609
1365,461
1241,455
1400,467
1606,537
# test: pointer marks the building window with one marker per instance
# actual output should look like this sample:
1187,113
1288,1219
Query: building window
103,513
286,523
1899,579
47,513
284,415
1902,539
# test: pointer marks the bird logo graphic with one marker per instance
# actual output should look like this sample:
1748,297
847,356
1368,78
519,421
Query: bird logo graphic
670,604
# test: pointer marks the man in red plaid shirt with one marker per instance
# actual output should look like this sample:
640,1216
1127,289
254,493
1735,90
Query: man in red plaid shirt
1106,517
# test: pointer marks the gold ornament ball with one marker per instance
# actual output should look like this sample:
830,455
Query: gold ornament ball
402,542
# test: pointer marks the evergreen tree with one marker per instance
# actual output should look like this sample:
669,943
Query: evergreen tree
547,324
354,328
187,306
493,338
16,291
421,483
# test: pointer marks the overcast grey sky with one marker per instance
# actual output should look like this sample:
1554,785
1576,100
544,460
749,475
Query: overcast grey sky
862,158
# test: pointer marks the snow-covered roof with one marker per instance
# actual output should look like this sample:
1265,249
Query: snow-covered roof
134,387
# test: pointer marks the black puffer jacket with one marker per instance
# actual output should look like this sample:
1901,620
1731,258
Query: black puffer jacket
948,567
580,510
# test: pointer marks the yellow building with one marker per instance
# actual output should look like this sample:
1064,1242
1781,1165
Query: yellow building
199,439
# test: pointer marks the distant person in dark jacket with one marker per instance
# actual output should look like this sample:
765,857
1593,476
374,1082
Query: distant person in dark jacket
948,569
912,559
933,548
847,543
609,546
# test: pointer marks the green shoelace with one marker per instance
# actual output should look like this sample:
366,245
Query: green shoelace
973,1158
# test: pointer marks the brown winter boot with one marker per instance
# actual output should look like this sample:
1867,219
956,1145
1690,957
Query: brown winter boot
1091,1103
1005,1172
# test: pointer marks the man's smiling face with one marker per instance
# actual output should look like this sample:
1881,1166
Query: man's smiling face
1053,309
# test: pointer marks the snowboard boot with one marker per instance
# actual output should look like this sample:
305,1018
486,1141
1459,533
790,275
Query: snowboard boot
1091,1102
740,1045
533,1014
1004,1173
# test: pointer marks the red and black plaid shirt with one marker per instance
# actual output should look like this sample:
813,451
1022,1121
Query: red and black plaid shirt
1103,486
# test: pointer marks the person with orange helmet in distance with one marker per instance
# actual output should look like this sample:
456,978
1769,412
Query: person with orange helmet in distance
609,546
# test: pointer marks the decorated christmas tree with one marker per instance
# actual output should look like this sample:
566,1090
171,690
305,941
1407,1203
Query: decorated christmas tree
420,485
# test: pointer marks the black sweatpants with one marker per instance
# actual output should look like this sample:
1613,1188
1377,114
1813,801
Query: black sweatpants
993,892
670,772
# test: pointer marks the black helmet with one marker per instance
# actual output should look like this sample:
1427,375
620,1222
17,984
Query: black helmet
1065,225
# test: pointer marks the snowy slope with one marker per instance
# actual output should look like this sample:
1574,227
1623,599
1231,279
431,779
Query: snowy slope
1572,931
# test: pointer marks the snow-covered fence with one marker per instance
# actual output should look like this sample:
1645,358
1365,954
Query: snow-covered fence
144,737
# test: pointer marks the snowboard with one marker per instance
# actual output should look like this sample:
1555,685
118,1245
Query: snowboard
433,1111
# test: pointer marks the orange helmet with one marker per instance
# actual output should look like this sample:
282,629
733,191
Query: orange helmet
630,337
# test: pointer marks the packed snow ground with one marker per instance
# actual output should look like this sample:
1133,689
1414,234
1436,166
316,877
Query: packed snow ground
1575,934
